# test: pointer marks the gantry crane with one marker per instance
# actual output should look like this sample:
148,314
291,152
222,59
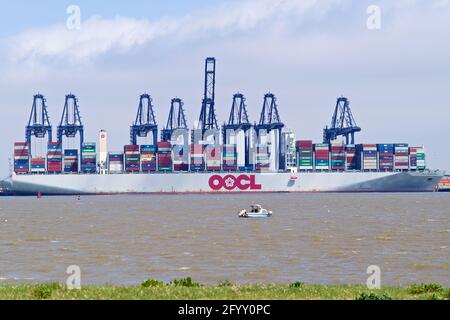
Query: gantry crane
145,121
71,123
342,123
39,123
176,121
238,121
208,120
270,121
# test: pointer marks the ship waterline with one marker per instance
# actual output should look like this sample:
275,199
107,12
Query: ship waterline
226,183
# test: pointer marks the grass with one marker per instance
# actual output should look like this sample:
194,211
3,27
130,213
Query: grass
187,289
425,288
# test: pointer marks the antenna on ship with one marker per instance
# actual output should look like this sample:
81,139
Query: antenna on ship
342,124
39,123
238,121
71,123
145,121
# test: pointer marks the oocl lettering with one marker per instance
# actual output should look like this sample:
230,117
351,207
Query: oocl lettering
231,182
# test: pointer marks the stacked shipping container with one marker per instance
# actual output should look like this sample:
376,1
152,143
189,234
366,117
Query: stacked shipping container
88,157
179,159
115,162
148,158
322,151
421,164
197,157
413,158
54,157
21,157
230,157
132,158
338,157
417,158
37,165
385,157
351,159
401,156
165,156
70,161
262,157
213,158
305,154
369,157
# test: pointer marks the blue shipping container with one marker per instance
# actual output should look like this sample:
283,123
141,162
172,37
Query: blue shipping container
70,153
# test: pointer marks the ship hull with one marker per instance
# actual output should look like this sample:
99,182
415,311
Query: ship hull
173,183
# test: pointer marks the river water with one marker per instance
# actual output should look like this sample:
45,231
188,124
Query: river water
314,238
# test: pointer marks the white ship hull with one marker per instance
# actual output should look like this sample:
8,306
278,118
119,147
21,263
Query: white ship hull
75,184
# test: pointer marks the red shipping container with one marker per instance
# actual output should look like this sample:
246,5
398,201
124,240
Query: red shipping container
213,153
21,144
304,143
197,148
164,144
131,148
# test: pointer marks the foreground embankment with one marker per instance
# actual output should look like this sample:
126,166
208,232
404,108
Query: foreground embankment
186,289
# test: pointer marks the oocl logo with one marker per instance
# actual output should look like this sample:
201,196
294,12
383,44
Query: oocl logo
230,182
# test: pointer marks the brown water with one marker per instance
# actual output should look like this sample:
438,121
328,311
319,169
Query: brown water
315,238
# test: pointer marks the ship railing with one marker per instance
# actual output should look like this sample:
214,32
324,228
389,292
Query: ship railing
227,171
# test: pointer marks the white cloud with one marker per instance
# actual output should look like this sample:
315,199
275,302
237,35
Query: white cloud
98,36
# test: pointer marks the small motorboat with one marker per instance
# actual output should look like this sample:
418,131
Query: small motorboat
256,211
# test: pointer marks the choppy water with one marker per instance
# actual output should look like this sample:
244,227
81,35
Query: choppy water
315,238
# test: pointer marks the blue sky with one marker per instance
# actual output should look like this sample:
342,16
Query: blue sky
307,52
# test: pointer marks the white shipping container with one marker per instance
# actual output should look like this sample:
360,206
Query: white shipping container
21,158
130,153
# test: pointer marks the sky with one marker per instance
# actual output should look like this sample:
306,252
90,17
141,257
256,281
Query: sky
394,67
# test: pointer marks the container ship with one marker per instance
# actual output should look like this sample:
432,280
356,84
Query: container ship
149,169
238,157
